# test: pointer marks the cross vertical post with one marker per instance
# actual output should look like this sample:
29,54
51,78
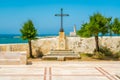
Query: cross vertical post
61,15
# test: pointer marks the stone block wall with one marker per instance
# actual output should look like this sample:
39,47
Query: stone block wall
13,47
84,45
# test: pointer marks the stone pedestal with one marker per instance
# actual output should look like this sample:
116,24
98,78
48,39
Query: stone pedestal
62,53
62,41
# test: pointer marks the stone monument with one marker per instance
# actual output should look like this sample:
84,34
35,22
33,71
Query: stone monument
62,37
62,52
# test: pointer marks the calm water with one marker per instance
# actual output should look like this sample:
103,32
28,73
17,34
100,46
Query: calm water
16,38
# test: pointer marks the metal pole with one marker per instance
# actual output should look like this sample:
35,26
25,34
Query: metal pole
61,19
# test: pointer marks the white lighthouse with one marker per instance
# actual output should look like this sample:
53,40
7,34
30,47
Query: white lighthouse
73,34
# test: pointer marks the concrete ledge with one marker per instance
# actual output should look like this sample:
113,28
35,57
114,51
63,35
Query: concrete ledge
61,58
10,58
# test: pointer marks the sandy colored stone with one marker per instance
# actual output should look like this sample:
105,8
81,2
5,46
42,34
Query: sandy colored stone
13,58
83,45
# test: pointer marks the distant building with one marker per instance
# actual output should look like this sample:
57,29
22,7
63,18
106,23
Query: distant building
73,34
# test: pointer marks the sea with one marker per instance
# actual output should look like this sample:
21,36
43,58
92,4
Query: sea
16,38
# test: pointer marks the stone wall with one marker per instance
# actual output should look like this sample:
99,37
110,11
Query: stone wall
13,47
84,45
87,45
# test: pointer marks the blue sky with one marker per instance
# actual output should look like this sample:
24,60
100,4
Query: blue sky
13,13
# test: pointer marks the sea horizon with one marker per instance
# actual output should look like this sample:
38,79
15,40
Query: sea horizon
16,38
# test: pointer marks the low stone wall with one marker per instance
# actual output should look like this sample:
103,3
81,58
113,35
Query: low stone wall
84,45
13,47
87,45
15,58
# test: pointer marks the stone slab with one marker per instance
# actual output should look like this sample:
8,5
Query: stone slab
79,78
60,58
12,58
61,55
57,70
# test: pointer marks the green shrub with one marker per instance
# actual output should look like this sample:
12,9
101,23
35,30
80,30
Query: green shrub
106,51
86,54
99,55
117,55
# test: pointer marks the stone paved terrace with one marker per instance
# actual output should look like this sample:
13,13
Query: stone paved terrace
58,70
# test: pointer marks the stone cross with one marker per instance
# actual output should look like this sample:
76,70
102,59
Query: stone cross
61,15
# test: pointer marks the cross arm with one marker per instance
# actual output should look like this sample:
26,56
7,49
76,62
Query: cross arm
65,15
57,14
61,14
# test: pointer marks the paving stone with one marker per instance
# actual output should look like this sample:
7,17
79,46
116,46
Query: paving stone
58,70
78,78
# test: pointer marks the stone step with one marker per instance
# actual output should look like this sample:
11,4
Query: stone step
61,51
58,54
62,57
62,54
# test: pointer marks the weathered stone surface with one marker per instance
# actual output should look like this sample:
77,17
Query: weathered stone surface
62,55
84,45
62,41
62,70
15,58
